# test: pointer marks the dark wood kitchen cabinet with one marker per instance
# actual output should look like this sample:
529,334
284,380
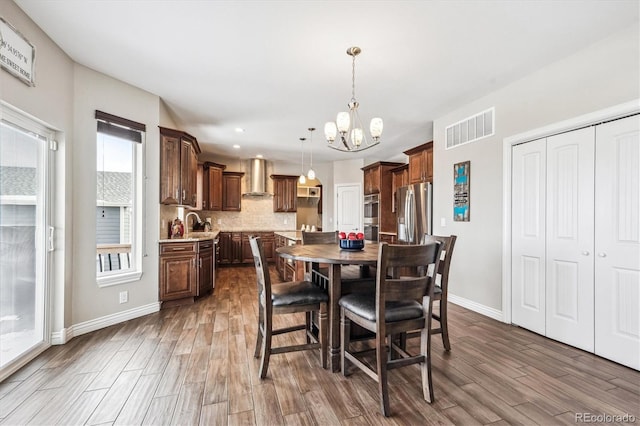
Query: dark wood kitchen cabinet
231,191
421,163
186,270
205,267
230,244
212,186
400,178
178,167
268,245
377,177
285,193
178,271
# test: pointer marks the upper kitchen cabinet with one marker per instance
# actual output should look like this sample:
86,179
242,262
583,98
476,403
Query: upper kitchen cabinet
421,163
178,167
212,186
377,176
400,178
231,191
285,193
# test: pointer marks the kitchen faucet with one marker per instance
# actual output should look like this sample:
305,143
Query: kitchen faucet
186,221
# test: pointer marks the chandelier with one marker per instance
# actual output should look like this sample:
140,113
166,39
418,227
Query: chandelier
348,125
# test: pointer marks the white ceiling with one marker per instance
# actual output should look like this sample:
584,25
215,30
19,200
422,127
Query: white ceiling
276,68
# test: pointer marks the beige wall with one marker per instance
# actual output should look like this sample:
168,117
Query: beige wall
51,101
600,76
95,91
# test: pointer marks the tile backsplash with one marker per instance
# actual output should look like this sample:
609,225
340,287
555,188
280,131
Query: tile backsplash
256,215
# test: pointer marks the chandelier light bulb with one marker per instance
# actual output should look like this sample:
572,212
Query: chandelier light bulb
311,174
343,121
302,180
330,131
376,128
356,137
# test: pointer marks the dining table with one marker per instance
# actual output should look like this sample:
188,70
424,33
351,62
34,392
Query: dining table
335,257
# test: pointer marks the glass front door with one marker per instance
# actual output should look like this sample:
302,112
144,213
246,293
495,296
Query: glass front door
25,238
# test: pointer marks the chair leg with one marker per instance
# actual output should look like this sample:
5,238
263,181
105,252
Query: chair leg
259,337
323,335
266,348
309,325
444,326
383,386
425,367
345,333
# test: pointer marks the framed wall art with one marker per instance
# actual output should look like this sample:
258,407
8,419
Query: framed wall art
461,188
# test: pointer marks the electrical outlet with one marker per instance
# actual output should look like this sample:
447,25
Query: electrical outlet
124,296
286,221
219,221
443,222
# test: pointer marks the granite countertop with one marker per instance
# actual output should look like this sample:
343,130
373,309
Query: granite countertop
193,236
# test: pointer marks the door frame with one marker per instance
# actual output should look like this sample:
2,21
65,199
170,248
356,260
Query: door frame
586,120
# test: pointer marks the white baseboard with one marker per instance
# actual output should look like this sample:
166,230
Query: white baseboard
476,307
63,336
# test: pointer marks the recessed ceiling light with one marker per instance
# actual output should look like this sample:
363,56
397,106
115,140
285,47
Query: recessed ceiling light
236,146
239,130
259,156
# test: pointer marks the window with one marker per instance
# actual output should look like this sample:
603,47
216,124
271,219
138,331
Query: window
119,199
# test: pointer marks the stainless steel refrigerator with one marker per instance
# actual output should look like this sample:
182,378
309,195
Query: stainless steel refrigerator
414,212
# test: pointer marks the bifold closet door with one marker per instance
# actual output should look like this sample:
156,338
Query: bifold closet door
528,214
617,237
570,238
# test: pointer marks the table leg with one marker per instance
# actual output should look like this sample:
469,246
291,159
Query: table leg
335,284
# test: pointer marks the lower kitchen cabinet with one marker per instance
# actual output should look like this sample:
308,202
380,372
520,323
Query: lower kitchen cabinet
186,270
235,247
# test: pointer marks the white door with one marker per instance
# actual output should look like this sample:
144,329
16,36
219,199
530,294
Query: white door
349,208
528,235
570,238
617,237
25,239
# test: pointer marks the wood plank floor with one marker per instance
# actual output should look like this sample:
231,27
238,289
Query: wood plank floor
194,365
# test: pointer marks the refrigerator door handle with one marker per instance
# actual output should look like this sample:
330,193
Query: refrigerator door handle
410,218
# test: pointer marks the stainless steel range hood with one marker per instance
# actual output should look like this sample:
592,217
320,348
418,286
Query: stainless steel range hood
257,186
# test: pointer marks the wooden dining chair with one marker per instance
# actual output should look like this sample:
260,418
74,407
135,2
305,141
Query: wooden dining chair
399,304
286,298
441,289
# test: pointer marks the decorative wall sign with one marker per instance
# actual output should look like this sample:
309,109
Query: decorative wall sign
17,54
461,174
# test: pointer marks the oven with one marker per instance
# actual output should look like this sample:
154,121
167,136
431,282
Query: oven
371,206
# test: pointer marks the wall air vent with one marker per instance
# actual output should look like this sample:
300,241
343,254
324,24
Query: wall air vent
471,129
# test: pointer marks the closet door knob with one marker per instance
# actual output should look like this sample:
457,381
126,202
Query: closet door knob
585,253
602,254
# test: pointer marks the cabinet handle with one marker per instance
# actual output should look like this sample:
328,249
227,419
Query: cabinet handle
177,194
184,194
200,263
585,253
178,248
602,254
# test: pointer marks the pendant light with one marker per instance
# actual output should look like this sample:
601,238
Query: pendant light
302,180
311,174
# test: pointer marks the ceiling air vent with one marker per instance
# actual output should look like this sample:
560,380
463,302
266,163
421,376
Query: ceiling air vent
471,129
